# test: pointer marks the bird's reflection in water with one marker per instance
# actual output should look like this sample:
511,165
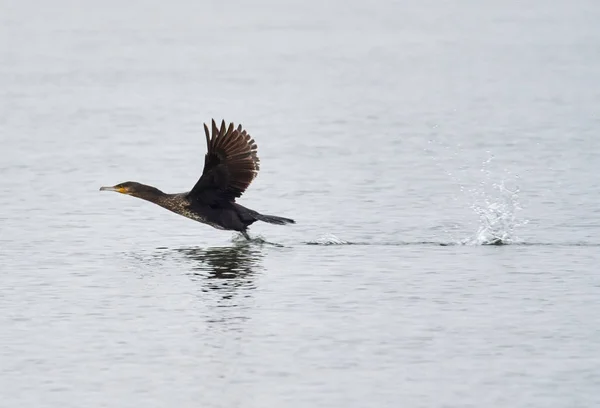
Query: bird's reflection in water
226,278
228,270
223,279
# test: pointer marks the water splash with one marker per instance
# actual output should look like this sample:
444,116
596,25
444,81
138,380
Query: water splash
239,239
328,239
496,205
498,216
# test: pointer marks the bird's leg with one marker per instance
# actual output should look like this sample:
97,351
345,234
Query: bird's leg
245,234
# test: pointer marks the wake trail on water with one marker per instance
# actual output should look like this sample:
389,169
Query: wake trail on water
496,206
493,199
332,240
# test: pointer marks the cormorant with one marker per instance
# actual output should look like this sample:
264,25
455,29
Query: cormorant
230,165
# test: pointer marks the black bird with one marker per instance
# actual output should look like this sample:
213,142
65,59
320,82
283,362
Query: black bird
230,165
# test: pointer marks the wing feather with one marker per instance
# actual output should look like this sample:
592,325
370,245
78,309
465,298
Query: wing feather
230,164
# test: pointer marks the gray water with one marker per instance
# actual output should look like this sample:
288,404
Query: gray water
402,137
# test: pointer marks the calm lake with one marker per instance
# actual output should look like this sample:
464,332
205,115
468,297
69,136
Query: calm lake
403,137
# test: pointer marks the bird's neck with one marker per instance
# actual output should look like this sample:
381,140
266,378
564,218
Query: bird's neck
152,194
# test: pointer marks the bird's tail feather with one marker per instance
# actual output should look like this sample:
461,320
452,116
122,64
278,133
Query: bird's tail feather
272,219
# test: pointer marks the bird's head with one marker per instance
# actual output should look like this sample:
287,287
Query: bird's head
133,188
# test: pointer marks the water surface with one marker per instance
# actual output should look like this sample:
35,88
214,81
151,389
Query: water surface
402,138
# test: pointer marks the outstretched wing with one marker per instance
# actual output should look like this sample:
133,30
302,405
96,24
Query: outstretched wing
230,164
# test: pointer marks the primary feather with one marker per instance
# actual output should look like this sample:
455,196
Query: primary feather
230,164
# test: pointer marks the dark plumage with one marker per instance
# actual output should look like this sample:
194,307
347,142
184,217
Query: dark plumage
230,165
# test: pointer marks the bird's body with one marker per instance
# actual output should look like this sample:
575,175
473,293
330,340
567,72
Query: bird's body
231,163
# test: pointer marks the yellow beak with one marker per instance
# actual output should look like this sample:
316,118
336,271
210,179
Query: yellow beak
115,189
